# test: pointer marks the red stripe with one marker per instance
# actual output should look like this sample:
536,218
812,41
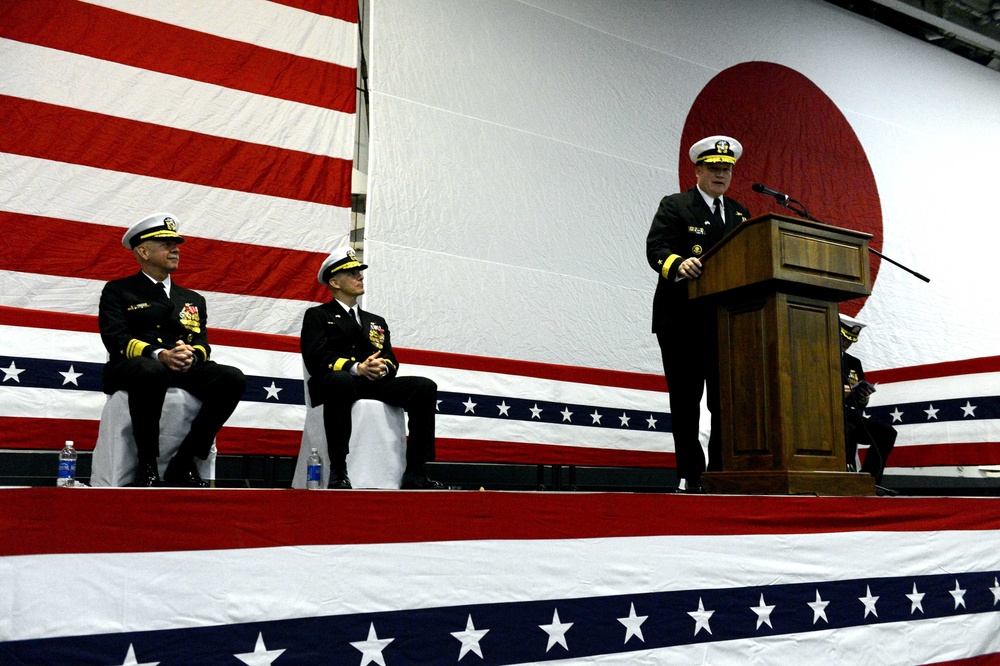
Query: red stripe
946,455
46,434
981,660
119,519
59,321
566,373
345,10
62,134
32,434
486,451
49,246
114,36
969,366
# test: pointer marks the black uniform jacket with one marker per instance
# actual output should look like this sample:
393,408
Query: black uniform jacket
332,341
851,373
682,228
136,317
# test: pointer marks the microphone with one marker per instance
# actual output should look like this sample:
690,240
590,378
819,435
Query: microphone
763,189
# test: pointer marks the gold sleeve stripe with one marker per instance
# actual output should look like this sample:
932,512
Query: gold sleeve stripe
388,362
134,348
203,350
341,362
668,264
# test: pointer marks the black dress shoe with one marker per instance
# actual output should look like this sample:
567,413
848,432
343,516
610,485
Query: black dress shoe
413,481
339,481
146,476
181,475
882,491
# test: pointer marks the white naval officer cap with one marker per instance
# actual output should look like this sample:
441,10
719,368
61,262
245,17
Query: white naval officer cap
341,259
716,149
850,327
157,225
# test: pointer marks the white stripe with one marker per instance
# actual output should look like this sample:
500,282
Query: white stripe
71,192
533,388
39,403
66,79
36,403
80,296
952,432
72,346
267,416
498,430
305,581
937,388
265,24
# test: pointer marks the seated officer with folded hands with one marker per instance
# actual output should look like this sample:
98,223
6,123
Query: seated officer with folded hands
156,335
348,354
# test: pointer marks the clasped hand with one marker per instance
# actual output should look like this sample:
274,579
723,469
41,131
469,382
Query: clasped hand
178,359
372,367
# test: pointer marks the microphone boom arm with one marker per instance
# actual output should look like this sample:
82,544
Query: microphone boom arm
801,211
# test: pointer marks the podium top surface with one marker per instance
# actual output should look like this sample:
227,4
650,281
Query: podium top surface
783,253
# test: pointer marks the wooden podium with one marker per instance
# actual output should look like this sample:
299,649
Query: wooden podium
776,282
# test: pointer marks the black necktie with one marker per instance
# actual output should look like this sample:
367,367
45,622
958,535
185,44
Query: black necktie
163,289
354,316
717,212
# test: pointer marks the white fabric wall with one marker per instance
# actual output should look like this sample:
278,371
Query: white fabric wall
519,150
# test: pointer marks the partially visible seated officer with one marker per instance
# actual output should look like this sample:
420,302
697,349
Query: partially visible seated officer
858,428
156,334
349,356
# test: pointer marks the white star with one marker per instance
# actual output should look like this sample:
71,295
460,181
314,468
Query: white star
437,406
931,412
896,416
624,418
556,631
651,421
12,373
503,407
869,601
469,406
536,412
470,639
959,595
272,391
969,409
70,376
260,656
567,415
916,600
701,617
371,649
596,416
819,608
996,591
130,659
763,612
633,624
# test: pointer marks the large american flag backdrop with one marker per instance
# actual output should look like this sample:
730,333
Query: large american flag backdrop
408,578
239,118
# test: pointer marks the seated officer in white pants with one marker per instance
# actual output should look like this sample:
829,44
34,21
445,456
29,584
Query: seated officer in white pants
156,335
348,355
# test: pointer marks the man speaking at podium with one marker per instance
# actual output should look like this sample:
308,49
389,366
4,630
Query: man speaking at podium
685,227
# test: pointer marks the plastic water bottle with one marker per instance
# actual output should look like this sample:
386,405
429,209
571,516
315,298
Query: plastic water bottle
314,470
67,466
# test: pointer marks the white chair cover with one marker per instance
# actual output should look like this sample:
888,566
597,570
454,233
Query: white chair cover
378,446
115,454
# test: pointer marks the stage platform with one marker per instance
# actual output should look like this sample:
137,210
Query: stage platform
156,576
